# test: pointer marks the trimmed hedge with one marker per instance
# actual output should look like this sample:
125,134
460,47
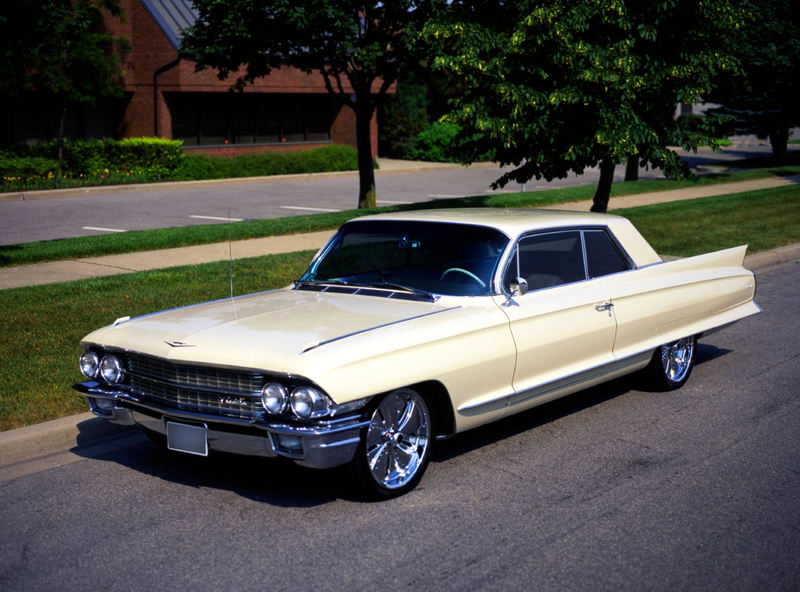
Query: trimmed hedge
148,156
141,160
197,167
29,166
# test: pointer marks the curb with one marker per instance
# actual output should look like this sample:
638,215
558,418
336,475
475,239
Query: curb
88,436
766,259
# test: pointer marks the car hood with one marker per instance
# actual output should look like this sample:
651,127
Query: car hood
260,331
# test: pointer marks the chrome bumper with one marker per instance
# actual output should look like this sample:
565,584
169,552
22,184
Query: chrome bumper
323,445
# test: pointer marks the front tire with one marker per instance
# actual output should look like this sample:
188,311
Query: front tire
672,363
395,447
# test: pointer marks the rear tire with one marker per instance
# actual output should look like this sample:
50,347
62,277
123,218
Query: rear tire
395,447
672,364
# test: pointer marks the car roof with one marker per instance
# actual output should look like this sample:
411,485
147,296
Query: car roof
511,221
514,222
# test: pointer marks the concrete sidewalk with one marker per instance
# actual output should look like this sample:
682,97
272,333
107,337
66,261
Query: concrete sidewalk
60,271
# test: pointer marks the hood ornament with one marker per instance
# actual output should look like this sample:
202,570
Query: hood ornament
178,344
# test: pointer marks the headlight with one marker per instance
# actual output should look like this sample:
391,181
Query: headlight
274,398
90,364
111,369
308,403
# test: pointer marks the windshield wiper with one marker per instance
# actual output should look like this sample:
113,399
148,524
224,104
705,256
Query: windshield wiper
416,291
386,285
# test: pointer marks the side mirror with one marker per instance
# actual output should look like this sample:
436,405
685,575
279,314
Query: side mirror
519,287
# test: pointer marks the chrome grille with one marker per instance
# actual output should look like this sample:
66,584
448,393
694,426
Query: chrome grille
194,400
196,388
197,376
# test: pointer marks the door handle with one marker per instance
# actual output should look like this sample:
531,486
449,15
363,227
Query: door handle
601,307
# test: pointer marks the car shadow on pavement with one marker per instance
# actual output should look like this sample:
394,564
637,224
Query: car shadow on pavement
271,481
547,413
283,484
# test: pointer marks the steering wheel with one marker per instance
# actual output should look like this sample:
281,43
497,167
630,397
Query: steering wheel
469,273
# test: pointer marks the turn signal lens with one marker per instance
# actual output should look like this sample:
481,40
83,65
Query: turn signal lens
111,369
90,364
274,398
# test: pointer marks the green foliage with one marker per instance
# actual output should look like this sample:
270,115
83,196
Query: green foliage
435,143
12,166
60,46
404,116
317,160
358,49
142,160
567,85
763,100
148,156
690,121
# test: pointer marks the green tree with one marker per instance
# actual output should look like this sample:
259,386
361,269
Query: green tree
765,99
363,45
556,86
404,115
61,47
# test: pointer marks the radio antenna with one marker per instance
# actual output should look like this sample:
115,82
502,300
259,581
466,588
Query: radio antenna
230,251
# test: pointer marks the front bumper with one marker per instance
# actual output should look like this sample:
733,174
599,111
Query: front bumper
321,445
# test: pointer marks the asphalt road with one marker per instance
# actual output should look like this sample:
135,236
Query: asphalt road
612,489
103,213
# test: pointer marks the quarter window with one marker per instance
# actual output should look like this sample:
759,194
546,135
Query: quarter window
602,256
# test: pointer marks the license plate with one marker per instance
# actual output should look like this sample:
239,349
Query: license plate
186,438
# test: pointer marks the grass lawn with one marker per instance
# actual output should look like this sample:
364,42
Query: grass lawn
42,325
149,240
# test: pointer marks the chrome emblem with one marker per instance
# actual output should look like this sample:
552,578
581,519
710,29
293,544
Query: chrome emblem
178,344
232,401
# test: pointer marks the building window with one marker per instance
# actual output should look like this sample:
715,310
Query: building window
206,119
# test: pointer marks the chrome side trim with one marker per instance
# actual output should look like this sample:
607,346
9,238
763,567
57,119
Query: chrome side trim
427,314
579,378
563,382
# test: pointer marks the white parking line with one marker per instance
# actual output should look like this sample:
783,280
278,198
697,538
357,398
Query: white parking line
308,209
218,218
103,229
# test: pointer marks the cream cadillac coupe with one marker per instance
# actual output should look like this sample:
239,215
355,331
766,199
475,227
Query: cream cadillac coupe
412,327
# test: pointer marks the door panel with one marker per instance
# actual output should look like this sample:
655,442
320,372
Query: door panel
559,332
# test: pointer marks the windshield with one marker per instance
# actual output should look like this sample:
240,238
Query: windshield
453,259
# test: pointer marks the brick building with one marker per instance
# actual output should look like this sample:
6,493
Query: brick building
165,97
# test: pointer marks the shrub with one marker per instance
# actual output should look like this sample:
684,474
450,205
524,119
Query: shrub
27,166
435,143
149,156
316,160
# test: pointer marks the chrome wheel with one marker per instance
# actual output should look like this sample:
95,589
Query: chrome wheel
398,440
672,364
677,358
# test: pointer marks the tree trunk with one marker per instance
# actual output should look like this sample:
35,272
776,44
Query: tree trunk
603,193
366,173
61,140
779,138
632,168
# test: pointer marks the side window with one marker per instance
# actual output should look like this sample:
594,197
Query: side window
547,260
601,254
